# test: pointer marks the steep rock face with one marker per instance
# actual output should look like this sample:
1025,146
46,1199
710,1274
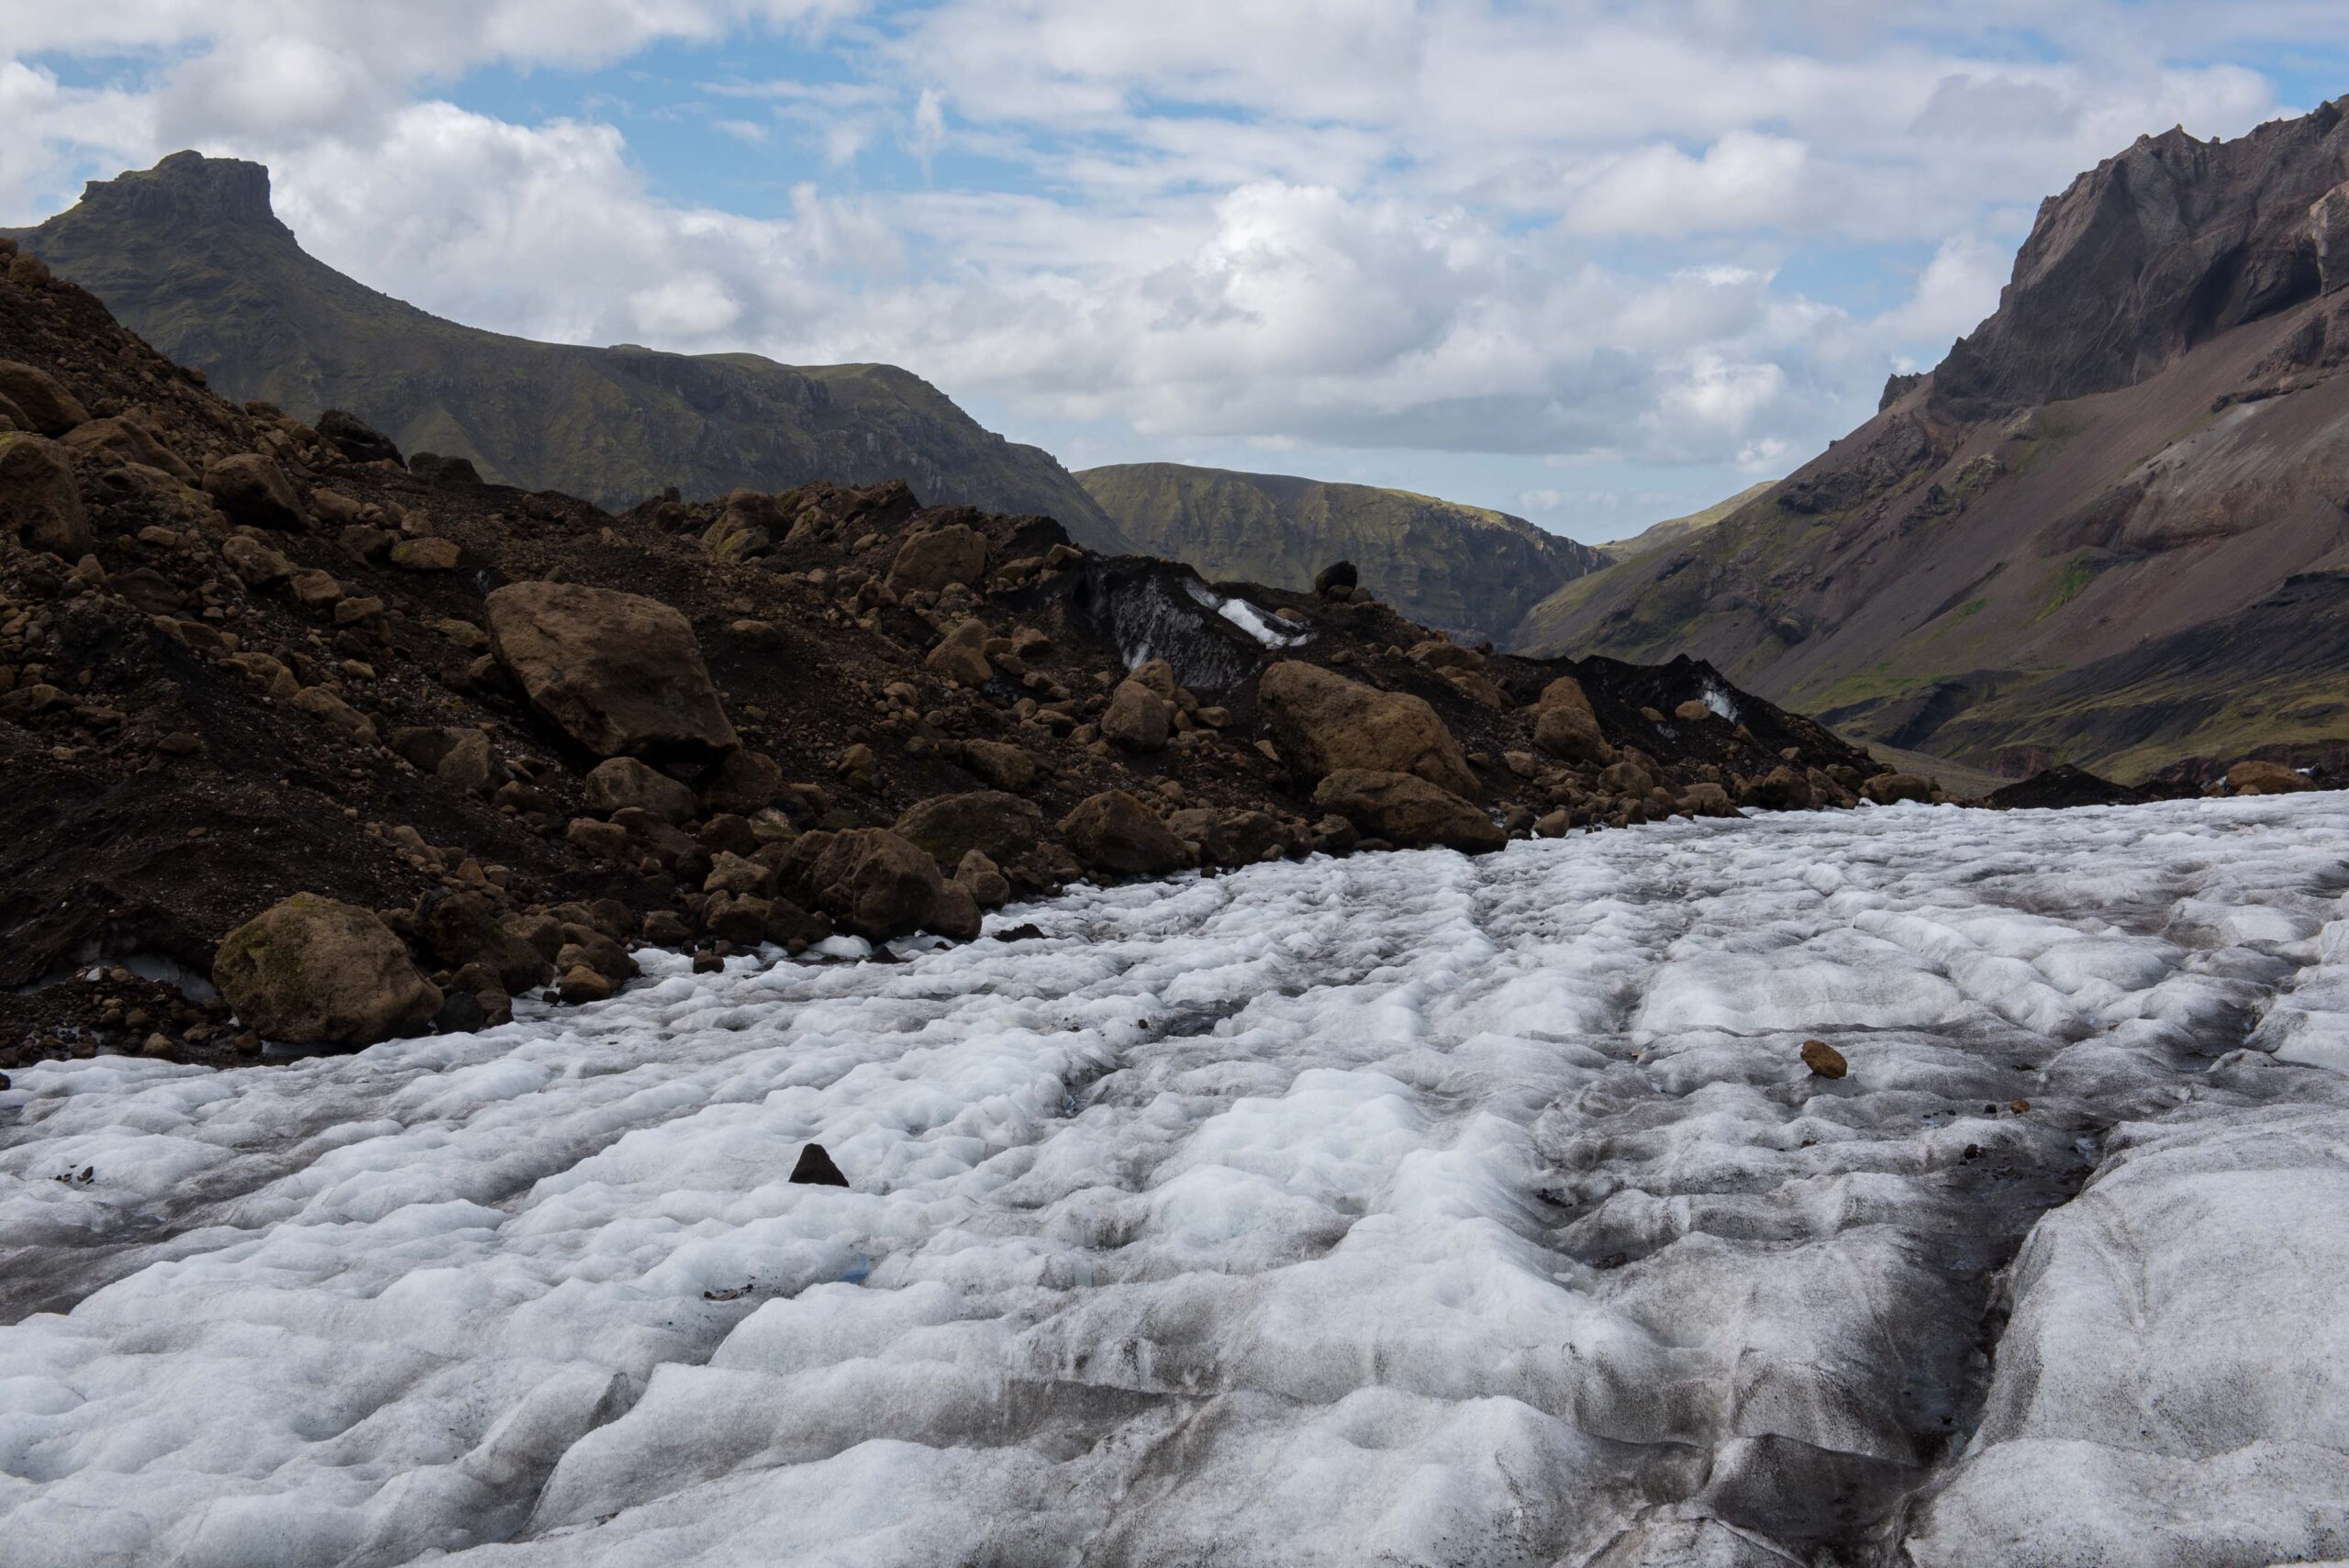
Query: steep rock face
190,255
1466,569
2071,542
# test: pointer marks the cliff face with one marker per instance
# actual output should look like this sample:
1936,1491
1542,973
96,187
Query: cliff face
1466,569
2041,550
191,256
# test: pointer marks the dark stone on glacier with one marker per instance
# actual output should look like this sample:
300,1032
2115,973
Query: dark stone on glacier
815,1169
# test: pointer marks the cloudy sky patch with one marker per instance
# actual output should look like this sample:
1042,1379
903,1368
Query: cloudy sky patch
1600,262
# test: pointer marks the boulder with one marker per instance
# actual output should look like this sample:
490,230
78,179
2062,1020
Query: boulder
1000,763
1324,722
874,882
962,655
931,560
988,887
619,673
1781,789
459,929
950,827
2266,778
357,442
1228,836
1406,810
1337,580
1138,719
254,561
617,783
310,971
125,439
39,501
427,554
1565,728
47,406
469,766
1886,789
1114,832
1823,1060
252,489
351,723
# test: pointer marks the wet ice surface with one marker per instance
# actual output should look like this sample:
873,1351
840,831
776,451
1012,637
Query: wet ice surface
1406,1208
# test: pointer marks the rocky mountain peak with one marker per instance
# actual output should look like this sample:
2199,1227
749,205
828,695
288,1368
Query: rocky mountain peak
2156,250
187,187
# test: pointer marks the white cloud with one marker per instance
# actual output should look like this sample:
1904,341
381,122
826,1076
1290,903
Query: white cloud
1561,231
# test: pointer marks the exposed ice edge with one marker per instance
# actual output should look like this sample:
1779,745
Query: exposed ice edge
1405,1207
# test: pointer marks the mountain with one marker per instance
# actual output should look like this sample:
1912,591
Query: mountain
2108,528
190,255
1542,625
1463,569
1676,530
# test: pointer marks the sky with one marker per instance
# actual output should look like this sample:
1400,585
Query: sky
1595,263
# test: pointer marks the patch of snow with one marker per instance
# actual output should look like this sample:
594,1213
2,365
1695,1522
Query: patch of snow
1405,1208
1724,707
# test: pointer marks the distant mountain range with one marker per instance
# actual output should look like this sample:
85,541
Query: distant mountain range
2111,528
190,255
1470,571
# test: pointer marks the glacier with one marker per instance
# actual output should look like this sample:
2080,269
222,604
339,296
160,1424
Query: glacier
1406,1208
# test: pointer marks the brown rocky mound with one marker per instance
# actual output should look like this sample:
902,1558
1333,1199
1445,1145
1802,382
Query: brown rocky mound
520,734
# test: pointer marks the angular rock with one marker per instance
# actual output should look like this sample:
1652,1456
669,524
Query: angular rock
1886,789
47,406
931,560
460,929
427,554
356,440
39,501
617,783
1138,719
621,674
127,441
874,882
988,887
2266,778
1324,722
311,971
1000,763
815,1169
1565,728
745,781
1113,831
1406,810
252,489
1337,580
254,561
950,827
962,655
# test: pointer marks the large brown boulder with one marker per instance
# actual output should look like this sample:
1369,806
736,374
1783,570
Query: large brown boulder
1138,719
460,929
1114,832
126,439
937,557
2266,778
1002,826
313,971
39,502
47,406
252,489
1323,722
1407,811
874,882
617,783
619,673
1564,726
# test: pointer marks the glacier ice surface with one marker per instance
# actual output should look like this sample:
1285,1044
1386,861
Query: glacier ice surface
1407,1207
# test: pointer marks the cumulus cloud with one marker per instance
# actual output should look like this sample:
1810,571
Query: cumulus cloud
1561,232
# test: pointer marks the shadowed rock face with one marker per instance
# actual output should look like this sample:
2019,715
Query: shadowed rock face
190,255
2105,530
1466,569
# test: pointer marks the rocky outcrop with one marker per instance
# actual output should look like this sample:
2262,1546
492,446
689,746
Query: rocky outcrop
1323,721
315,970
619,673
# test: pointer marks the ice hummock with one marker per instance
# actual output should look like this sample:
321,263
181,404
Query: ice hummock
1407,1207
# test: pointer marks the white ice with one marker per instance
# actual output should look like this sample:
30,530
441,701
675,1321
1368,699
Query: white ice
1405,1208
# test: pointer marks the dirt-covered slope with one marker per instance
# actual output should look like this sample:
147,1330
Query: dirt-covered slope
189,255
2065,544
242,659
1465,569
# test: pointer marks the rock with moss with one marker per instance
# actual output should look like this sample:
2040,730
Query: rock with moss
310,971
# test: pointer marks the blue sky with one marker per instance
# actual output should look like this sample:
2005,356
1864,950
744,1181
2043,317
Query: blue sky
1591,262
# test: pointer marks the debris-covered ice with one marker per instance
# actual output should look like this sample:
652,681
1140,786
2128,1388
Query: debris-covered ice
1406,1208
